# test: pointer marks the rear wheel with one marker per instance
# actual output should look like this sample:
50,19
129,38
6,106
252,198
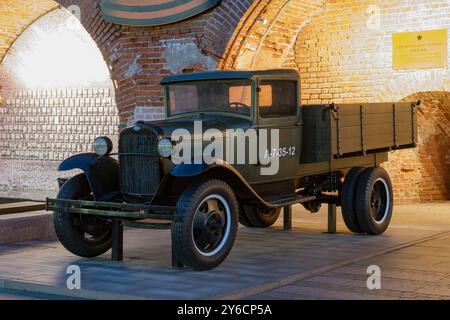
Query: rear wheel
243,218
348,199
374,201
83,235
259,217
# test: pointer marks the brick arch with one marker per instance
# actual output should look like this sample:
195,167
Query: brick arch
28,165
138,57
21,14
407,85
423,174
267,33
220,24
18,16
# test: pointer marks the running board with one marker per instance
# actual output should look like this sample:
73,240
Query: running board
284,202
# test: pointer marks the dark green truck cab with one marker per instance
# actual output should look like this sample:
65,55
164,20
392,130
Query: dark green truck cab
236,146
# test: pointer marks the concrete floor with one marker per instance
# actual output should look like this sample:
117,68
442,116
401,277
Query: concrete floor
304,263
7,294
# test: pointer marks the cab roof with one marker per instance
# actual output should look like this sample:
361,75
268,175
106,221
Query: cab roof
227,75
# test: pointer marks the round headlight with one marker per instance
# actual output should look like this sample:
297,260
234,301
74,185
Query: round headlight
165,148
103,146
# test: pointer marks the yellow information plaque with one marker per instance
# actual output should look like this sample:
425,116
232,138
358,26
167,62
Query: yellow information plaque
420,50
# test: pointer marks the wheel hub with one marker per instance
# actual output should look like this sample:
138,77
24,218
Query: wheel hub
210,225
379,201
214,226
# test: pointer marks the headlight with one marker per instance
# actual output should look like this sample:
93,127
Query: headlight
103,146
165,148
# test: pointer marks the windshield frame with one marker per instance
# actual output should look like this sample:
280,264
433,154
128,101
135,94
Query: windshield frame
251,116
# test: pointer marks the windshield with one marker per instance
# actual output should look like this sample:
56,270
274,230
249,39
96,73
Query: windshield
233,96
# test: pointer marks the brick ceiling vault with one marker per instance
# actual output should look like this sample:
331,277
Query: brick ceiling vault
267,34
17,16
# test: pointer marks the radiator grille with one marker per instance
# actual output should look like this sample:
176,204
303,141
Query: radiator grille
139,163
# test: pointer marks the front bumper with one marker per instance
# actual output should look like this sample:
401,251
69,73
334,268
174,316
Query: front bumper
111,210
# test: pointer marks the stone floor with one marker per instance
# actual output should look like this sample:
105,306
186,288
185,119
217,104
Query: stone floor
305,263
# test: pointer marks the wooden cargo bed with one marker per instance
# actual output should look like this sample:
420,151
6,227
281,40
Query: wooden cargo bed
346,130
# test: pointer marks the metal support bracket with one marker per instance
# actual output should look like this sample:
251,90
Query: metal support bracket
117,239
287,218
331,218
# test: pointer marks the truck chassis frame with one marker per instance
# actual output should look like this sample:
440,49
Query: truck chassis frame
121,214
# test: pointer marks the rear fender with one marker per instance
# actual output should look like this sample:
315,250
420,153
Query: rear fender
102,173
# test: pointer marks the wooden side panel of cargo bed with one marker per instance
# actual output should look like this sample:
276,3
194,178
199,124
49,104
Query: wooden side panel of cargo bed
365,128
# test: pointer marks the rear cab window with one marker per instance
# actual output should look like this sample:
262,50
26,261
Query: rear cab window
277,98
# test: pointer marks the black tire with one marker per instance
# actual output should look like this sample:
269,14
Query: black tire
348,200
258,217
374,201
243,218
203,237
72,230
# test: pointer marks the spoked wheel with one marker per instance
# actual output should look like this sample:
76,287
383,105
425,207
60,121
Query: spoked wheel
205,225
374,201
82,235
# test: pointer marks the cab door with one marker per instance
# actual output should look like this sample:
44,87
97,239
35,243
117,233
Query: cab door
278,108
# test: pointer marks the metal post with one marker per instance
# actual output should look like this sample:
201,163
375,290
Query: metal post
287,219
117,239
331,218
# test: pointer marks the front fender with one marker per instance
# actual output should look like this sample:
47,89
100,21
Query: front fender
102,173
188,170
220,170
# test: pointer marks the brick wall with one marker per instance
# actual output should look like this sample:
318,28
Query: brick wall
143,56
138,57
55,124
423,174
266,35
341,59
40,128
344,57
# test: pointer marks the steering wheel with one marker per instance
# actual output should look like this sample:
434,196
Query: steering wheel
238,105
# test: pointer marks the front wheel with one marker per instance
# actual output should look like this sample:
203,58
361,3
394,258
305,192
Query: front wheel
83,235
205,224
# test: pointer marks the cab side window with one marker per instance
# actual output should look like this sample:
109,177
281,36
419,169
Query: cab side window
277,98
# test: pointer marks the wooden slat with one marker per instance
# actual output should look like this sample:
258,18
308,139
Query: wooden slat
351,145
21,207
374,142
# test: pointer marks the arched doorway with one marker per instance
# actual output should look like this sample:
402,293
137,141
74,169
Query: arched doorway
57,97
423,174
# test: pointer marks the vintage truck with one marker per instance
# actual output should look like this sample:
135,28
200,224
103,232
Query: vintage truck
326,154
